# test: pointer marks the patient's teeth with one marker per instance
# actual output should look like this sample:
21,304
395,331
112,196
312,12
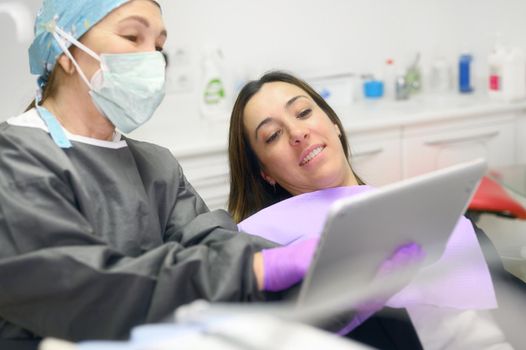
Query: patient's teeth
311,155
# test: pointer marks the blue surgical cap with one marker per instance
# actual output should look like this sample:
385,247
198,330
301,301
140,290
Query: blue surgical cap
75,17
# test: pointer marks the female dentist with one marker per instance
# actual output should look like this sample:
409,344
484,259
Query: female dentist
99,232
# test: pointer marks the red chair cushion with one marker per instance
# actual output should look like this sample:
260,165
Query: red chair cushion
491,197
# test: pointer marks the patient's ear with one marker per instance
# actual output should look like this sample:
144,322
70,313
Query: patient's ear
338,131
267,178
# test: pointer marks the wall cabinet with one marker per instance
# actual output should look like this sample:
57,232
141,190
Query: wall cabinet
376,156
437,146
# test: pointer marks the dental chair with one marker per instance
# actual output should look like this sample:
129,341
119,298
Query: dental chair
499,218
492,198
502,216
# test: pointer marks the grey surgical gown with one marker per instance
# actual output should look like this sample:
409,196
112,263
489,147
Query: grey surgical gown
95,240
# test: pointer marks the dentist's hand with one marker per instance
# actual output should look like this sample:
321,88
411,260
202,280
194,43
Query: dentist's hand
279,268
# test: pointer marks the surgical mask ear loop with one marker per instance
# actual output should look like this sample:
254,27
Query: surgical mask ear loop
60,36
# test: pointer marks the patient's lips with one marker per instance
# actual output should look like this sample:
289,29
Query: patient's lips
310,153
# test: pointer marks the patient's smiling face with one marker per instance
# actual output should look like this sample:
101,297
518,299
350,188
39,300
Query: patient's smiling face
297,145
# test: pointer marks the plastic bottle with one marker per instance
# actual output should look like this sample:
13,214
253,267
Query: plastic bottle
507,74
464,73
413,76
389,79
401,88
519,59
513,84
213,99
496,67
440,79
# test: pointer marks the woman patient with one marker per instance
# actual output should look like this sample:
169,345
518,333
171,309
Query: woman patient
287,145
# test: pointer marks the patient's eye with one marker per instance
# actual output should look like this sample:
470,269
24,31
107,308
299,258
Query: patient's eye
305,113
273,137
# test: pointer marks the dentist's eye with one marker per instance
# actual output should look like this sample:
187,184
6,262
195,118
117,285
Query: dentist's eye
273,137
132,38
305,113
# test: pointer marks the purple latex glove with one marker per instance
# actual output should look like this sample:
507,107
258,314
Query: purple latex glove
403,257
285,266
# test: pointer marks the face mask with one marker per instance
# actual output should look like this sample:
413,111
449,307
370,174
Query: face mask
128,87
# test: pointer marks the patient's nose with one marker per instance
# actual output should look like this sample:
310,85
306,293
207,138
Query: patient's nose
298,135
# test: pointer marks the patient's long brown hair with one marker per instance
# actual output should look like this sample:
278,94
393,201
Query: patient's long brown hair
249,192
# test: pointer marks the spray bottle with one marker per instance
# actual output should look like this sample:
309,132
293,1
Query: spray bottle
213,94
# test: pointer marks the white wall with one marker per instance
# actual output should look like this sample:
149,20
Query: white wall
16,28
302,36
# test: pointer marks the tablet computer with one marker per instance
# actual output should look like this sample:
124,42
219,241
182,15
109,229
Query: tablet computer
362,231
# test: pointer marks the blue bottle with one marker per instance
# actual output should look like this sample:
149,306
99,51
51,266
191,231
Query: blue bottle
464,73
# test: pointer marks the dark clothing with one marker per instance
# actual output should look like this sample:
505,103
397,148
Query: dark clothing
388,331
95,240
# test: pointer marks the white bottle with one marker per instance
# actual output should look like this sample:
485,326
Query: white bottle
389,79
517,79
521,74
496,61
440,80
213,92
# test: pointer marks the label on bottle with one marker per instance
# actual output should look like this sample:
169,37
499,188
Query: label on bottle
494,82
214,92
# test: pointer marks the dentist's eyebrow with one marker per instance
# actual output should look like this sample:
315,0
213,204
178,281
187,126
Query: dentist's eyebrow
144,22
267,120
